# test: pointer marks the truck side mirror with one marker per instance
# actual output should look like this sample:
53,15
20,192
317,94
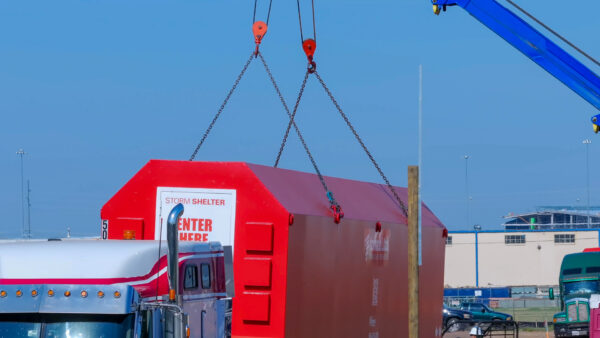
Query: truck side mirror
551,293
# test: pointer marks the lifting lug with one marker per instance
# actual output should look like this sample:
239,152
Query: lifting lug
338,214
309,46
259,29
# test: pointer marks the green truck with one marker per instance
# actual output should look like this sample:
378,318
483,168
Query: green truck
579,279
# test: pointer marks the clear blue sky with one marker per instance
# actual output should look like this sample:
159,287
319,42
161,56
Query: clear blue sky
94,89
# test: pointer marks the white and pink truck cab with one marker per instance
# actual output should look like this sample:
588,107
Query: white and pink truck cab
94,288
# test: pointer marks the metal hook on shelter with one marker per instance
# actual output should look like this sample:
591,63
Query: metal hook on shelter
259,29
338,214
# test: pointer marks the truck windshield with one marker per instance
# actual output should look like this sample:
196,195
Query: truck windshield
581,287
66,325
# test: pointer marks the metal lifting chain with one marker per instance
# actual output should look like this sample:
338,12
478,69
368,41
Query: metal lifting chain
402,206
292,119
214,120
291,116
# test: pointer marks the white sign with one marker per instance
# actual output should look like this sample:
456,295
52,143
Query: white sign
209,214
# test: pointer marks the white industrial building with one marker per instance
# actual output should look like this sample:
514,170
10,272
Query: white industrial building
528,252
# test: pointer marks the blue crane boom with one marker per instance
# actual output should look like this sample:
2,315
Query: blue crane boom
535,46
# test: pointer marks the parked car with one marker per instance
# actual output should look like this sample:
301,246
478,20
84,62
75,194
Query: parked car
481,312
452,315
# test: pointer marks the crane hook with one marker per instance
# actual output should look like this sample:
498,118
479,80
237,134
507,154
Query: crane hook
259,28
309,46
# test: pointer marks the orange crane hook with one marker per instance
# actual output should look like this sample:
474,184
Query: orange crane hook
259,29
309,46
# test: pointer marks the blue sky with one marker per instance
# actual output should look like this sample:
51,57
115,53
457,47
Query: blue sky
94,89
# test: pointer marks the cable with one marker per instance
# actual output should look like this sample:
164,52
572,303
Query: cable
314,22
293,123
553,32
212,123
292,120
314,25
362,144
300,21
269,13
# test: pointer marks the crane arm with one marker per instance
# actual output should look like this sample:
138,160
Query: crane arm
534,45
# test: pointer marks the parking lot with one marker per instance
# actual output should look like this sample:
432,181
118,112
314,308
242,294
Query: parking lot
524,334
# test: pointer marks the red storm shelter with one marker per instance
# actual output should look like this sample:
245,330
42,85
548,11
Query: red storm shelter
297,273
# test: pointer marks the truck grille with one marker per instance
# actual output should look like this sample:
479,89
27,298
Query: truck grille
578,312
583,312
572,311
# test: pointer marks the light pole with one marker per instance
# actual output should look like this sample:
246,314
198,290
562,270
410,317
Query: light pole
587,143
21,152
28,232
477,228
466,157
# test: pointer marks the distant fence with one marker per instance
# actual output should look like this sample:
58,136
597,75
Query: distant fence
519,303
496,292
532,312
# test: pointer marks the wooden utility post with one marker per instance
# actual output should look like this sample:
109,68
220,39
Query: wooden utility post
413,251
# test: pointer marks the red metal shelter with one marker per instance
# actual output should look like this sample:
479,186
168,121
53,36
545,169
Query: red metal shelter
297,273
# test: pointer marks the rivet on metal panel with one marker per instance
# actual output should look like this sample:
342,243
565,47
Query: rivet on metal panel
291,219
378,227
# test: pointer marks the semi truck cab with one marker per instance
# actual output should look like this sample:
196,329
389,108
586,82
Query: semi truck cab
57,310
579,279
95,288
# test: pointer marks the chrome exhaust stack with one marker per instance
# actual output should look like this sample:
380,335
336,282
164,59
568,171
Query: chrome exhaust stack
173,252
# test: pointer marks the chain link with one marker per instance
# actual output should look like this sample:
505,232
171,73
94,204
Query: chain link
402,206
292,119
291,116
212,123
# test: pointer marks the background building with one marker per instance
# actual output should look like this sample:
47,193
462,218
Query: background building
528,252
